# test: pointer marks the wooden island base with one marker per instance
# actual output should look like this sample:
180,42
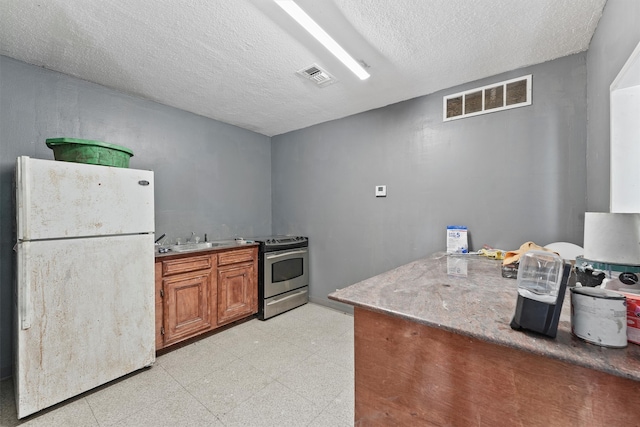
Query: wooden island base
409,374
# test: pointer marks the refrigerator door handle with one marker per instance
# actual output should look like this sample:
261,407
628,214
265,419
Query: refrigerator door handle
23,199
24,287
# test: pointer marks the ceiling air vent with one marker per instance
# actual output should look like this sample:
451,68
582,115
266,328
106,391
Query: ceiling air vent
317,75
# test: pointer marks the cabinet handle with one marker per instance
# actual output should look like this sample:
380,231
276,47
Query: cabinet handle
162,293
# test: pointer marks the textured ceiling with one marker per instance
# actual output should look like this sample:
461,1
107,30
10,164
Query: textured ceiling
236,60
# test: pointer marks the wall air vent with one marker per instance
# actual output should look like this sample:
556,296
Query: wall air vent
317,75
487,99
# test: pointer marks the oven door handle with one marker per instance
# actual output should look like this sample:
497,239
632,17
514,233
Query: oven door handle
276,301
280,255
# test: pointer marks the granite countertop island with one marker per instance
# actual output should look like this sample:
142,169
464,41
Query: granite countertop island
462,306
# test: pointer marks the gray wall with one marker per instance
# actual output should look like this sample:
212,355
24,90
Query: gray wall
211,177
523,174
510,176
618,33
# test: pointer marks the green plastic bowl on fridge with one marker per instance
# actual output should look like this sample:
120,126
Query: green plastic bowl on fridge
91,152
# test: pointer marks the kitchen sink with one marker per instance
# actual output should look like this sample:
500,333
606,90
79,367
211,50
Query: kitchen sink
188,247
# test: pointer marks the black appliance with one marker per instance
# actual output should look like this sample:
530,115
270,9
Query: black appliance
542,281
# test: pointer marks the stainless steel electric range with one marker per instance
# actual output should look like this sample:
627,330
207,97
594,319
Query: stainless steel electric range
283,274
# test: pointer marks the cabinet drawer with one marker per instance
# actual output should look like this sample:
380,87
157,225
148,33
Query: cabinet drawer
235,256
183,265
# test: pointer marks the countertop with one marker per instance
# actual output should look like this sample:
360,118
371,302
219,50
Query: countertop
479,305
221,245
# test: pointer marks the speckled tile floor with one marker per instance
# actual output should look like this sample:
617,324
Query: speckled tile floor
292,370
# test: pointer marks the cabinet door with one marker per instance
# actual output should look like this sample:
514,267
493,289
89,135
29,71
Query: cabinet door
186,305
237,292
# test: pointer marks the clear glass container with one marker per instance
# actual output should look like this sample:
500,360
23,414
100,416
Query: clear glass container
539,276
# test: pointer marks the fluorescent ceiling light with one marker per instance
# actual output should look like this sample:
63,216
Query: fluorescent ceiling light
321,35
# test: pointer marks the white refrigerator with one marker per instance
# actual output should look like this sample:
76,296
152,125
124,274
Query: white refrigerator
84,312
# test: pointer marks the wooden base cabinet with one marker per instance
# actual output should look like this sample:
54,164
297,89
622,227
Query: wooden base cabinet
236,298
187,300
199,292
411,374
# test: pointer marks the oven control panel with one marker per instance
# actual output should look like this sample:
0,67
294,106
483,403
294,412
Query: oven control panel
285,240
274,242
